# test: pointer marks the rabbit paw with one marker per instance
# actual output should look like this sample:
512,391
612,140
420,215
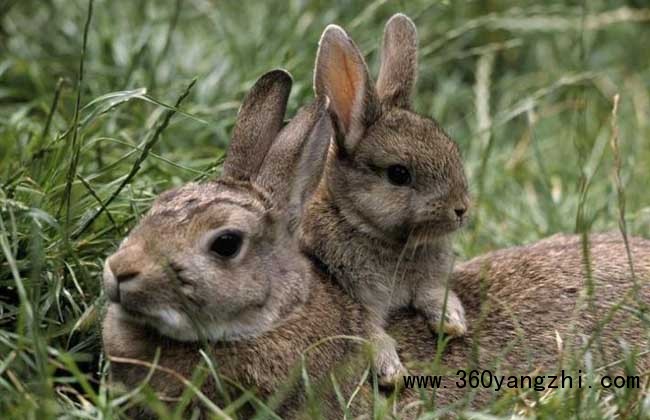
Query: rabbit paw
388,367
454,323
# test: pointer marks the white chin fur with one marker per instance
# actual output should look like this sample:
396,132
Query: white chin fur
176,325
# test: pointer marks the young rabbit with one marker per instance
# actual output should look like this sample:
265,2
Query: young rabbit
393,193
217,262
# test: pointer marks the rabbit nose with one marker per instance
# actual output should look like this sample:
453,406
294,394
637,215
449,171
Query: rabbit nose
120,268
461,206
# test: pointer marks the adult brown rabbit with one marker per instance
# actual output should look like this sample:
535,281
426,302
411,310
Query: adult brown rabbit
216,263
393,193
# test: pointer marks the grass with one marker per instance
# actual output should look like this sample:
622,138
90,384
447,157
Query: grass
102,109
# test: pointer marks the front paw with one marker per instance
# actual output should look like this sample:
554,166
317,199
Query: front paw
388,367
453,323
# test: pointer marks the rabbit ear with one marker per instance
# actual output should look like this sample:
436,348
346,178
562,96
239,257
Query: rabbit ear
311,165
342,75
398,69
295,162
259,120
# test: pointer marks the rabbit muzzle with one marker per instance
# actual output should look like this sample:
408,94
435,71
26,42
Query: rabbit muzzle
127,272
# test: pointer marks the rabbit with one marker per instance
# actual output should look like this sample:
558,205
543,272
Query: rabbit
217,263
393,193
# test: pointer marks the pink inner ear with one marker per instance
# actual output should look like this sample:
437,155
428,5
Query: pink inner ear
344,81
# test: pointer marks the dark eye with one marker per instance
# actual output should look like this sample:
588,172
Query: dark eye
227,244
398,175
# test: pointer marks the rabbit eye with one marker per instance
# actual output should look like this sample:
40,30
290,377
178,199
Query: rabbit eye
227,244
398,175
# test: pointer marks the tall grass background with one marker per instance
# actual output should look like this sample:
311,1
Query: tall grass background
103,105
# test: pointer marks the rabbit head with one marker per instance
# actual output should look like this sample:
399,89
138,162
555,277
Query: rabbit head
216,260
393,173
